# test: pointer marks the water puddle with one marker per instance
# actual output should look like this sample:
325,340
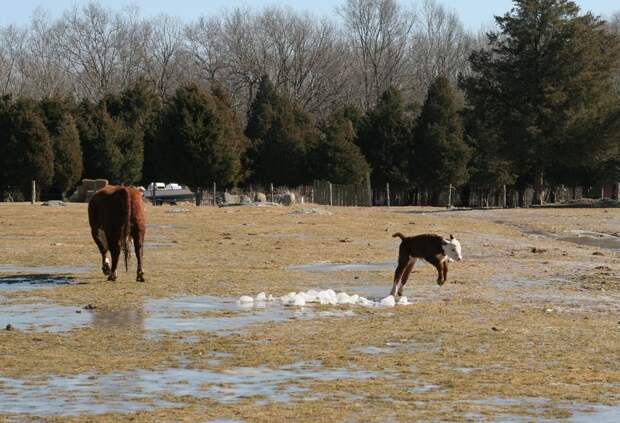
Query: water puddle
145,389
42,317
596,414
183,314
31,277
343,267
594,239
172,314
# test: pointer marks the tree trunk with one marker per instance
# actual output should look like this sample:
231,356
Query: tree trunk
539,187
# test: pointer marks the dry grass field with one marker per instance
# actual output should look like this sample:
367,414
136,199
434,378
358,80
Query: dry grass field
527,327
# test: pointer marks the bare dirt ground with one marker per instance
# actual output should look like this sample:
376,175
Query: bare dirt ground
527,327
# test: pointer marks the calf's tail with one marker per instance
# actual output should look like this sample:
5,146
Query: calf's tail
399,235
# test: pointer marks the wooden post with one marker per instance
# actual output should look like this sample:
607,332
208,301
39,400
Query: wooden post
618,191
33,197
387,189
312,195
153,195
271,186
505,197
450,196
331,195
214,194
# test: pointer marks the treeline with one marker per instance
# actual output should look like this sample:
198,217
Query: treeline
277,97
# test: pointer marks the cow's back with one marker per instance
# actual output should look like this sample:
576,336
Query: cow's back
109,207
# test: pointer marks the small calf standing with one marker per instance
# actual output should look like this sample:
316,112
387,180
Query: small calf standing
115,214
432,248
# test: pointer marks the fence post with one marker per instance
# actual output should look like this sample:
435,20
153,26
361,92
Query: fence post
312,195
505,197
387,189
450,196
214,194
33,197
331,195
618,191
271,188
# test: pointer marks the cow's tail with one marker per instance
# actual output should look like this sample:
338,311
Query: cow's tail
398,235
126,229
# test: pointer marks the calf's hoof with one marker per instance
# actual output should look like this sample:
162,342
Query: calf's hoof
112,278
140,277
106,269
440,282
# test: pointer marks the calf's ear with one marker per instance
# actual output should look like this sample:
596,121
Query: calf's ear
451,236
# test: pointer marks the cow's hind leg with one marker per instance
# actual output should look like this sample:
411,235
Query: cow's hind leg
102,243
405,276
138,244
445,271
115,252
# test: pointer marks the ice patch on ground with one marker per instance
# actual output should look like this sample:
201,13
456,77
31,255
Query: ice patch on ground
324,297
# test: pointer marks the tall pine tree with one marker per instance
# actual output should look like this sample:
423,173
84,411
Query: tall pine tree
385,139
545,82
281,136
440,155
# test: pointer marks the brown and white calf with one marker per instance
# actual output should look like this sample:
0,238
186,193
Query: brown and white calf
115,213
432,248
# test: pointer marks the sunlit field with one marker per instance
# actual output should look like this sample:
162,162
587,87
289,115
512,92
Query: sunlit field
527,326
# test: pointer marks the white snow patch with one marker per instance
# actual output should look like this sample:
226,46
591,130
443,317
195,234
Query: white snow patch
325,297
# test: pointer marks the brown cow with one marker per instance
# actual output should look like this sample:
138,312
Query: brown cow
115,213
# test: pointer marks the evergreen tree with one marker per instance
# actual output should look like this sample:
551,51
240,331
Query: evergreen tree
281,136
545,83
99,137
336,157
199,141
26,150
440,155
385,139
66,142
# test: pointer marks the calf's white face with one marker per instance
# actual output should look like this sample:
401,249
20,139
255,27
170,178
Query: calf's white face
452,249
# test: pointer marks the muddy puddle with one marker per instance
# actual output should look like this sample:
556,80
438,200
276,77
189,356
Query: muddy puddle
146,389
594,239
200,313
44,316
17,278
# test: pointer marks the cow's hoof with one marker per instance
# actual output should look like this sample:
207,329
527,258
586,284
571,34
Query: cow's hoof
440,282
140,278
112,278
106,270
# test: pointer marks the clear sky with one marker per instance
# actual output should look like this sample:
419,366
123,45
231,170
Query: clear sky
473,13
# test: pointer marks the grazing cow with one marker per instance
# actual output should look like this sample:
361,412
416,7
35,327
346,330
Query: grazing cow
115,213
432,248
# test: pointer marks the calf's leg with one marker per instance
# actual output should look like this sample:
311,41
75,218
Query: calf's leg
403,261
445,271
438,263
405,276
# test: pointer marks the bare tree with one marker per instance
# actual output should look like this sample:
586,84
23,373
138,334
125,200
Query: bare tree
12,55
440,46
165,54
43,65
379,34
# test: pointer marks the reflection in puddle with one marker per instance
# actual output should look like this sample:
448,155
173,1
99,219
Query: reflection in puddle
144,389
27,282
338,267
172,314
45,316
